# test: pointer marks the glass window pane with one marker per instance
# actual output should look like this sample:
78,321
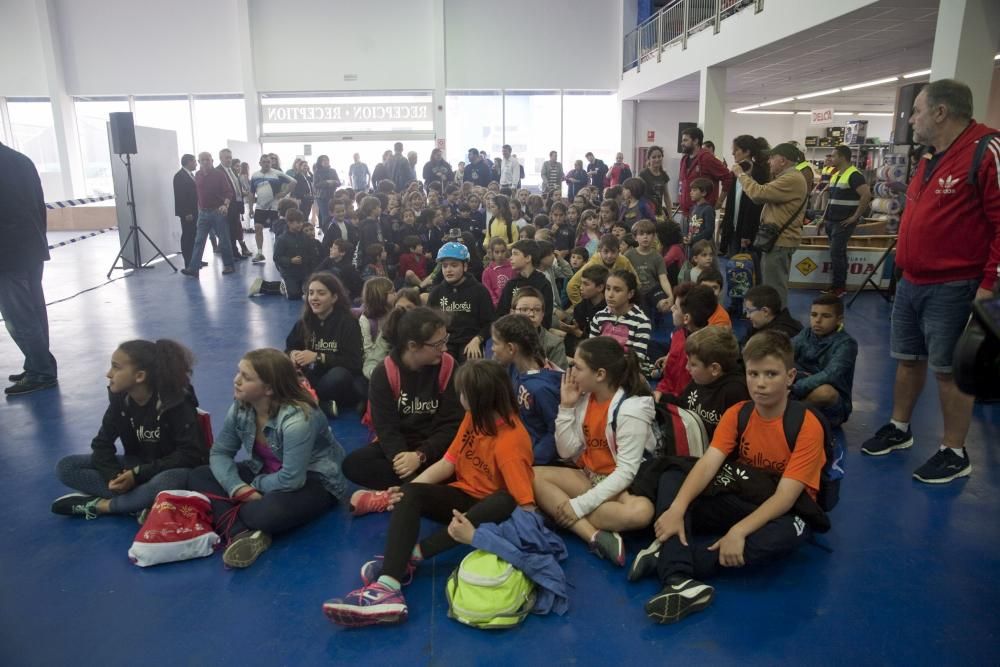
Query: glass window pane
474,120
591,123
341,153
34,135
216,120
531,127
167,114
346,113
91,124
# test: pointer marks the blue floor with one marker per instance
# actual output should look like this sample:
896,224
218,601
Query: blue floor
911,579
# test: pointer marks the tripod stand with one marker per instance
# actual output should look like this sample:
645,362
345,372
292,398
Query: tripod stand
870,277
134,231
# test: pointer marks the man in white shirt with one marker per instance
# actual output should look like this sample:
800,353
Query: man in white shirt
510,172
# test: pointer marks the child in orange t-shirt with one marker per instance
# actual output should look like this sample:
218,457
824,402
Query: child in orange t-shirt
698,533
712,277
490,460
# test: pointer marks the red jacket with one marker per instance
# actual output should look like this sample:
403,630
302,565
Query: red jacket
675,373
701,165
951,230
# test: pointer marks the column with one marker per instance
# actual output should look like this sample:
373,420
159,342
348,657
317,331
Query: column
249,77
628,133
965,41
63,112
440,84
712,103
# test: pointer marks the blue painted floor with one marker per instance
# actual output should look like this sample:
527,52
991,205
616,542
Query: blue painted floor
912,579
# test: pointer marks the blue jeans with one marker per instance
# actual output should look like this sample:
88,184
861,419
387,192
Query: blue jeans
22,305
927,321
211,220
839,236
78,472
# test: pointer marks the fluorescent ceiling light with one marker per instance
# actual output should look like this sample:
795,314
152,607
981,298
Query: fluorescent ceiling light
875,113
773,102
996,57
876,82
911,75
843,113
771,113
822,92
742,109
802,113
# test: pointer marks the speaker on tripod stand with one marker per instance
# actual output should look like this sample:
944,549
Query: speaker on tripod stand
123,145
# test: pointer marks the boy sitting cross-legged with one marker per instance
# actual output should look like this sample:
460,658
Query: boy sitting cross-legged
825,355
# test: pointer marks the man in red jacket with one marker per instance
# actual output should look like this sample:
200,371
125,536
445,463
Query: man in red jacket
949,246
699,163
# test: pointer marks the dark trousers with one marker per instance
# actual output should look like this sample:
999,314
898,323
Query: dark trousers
337,384
368,467
188,228
293,284
435,501
305,205
323,208
709,518
839,236
276,512
235,225
22,306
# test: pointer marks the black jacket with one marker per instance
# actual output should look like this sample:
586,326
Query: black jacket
537,280
710,401
422,418
163,435
344,269
185,195
470,309
291,245
23,217
337,338
783,322
747,219
371,232
439,171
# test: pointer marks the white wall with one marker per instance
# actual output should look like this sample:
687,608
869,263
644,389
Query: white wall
114,47
23,72
528,44
311,45
663,118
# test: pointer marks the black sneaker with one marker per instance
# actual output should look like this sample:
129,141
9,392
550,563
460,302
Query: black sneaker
943,467
887,439
76,504
26,386
645,562
678,598
16,377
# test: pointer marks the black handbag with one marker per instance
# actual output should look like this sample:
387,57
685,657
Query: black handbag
769,233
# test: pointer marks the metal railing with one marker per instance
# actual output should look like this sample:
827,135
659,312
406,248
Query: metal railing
676,23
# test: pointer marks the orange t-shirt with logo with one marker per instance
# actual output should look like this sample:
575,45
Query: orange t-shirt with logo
485,464
763,446
720,318
596,456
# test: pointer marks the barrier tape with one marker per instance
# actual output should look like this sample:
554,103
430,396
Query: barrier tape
80,238
77,202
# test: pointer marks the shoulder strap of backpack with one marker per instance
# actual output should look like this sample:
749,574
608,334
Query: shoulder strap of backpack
795,415
392,374
977,159
742,420
444,373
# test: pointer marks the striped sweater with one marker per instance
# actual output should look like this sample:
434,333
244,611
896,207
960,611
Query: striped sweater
632,330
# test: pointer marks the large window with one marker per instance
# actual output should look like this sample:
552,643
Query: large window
591,123
475,120
319,114
33,133
167,113
341,153
95,149
531,127
217,120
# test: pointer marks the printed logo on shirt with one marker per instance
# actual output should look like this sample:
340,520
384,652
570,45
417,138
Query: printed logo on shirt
800,526
450,306
147,436
468,452
322,345
729,474
415,406
617,331
707,416
524,399
758,460
947,185
592,442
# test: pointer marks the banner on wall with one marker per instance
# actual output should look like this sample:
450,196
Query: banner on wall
821,116
812,268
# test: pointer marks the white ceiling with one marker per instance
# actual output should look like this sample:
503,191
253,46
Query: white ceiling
888,38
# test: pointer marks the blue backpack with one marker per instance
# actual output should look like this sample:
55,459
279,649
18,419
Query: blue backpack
739,275
833,469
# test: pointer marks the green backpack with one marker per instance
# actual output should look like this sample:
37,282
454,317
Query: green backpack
487,592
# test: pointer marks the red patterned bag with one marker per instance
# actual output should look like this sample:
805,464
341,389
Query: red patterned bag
179,527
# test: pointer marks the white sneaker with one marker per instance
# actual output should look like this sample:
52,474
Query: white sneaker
258,258
284,290
255,287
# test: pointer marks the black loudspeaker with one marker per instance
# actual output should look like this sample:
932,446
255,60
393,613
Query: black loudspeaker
122,133
680,133
902,133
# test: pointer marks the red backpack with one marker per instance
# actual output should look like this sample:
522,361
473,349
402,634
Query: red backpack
392,374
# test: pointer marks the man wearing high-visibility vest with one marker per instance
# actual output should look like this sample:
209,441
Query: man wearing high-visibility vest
849,199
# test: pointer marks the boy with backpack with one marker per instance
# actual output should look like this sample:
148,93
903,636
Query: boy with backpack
751,498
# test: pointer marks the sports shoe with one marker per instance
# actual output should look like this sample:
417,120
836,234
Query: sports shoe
284,292
609,545
645,562
76,504
258,258
678,598
372,570
26,386
838,292
227,270
255,287
246,548
329,408
887,439
369,605
16,377
943,467
246,252
365,501
189,272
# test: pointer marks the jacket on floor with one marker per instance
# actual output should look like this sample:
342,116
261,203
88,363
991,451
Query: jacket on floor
470,311
537,395
163,434
825,360
337,339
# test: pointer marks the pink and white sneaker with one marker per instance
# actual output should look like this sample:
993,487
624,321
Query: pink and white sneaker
373,604
372,570
365,501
